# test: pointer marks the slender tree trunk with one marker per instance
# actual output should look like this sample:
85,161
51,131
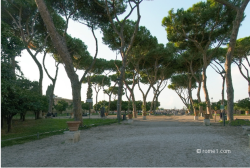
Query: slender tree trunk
190,93
119,100
24,116
155,103
51,98
152,103
222,91
129,105
230,52
61,46
96,98
109,102
13,64
2,120
182,99
76,93
9,123
249,89
120,87
204,79
199,96
133,99
134,105
230,89
144,103
40,68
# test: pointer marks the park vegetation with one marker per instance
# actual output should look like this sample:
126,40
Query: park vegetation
196,38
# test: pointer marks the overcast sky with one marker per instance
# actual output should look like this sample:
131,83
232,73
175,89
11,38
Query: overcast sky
152,13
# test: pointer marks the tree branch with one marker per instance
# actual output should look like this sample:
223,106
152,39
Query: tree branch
94,60
228,4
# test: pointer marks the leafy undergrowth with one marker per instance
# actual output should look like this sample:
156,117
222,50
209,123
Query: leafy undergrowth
31,130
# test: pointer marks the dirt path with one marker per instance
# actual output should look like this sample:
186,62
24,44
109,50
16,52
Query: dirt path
155,142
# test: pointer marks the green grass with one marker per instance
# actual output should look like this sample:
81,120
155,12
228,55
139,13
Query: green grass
44,127
236,123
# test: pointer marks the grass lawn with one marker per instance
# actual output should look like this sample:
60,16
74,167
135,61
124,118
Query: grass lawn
239,122
30,128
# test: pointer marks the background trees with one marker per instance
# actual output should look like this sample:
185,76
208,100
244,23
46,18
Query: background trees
147,60
119,28
203,25
61,106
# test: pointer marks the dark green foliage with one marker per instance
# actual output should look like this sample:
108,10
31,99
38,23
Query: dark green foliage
61,105
242,48
143,37
11,45
203,22
243,104
86,11
19,95
181,81
85,106
100,80
124,106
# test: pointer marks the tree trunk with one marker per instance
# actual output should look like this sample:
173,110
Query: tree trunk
96,98
144,103
120,89
109,102
2,120
155,103
134,105
51,98
222,91
13,64
9,123
23,117
77,107
204,79
190,93
152,104
36,115
230,52
249,89
61,47
133,99
129,105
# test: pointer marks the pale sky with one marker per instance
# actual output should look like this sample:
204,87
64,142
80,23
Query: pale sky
152,13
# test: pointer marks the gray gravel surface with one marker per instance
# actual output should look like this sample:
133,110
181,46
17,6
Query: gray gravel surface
155,142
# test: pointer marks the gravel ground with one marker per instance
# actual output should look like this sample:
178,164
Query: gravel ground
156,142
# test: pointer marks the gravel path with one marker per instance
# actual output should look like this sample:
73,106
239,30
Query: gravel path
155,142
